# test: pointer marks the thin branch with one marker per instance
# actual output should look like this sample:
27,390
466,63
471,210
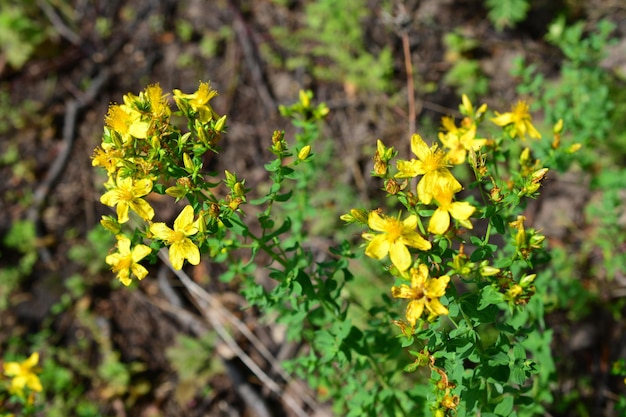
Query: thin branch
211,308
408,65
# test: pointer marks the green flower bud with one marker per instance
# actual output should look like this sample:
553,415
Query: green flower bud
527,280
220,124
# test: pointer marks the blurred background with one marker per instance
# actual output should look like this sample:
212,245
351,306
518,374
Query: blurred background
111,351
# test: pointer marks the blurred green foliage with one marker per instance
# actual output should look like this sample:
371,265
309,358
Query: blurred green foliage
20,31
331,46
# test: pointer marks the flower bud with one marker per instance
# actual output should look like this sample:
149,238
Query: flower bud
278,142
488,270
110,224
495,194
380,166
188,163
481,110
304,152
355,215
536,240
219,125
235,203
450,401
305,100
524,157
231,178
515,291
392,187
184,138
239,190
539,175
176,191
574,148
214,210
527,280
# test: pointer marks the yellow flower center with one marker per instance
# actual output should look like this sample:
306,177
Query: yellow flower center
520,111
394,229
177,236
123,264
435,160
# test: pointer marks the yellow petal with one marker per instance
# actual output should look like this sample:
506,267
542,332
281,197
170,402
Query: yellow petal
185,249
410,222
436,308
161,231
139,271
503,119
414,310
33,383
32,360
142,208
400,256
436,287
184,221
419,147
12,368
142,187
424,191
110,198
415,240
403,291
139,129
376,222
123,245
122,212
461,210
139,252
419,276
409,169
124,277
177,257
192,253
440,222
378,248
532,132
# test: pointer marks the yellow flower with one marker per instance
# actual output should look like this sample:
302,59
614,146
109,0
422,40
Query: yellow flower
423,292
459,142
126,261
22,375
126,194
460,210
395,237
521,120
158,101
127,122
432,163
181,247
107,157
198,101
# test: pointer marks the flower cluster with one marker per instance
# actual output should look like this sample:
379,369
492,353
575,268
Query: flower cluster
144,153
409,245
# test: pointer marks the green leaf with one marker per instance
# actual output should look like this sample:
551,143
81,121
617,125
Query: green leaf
519,353
499,358
498,223
284,197
519,375
504,407
489,296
